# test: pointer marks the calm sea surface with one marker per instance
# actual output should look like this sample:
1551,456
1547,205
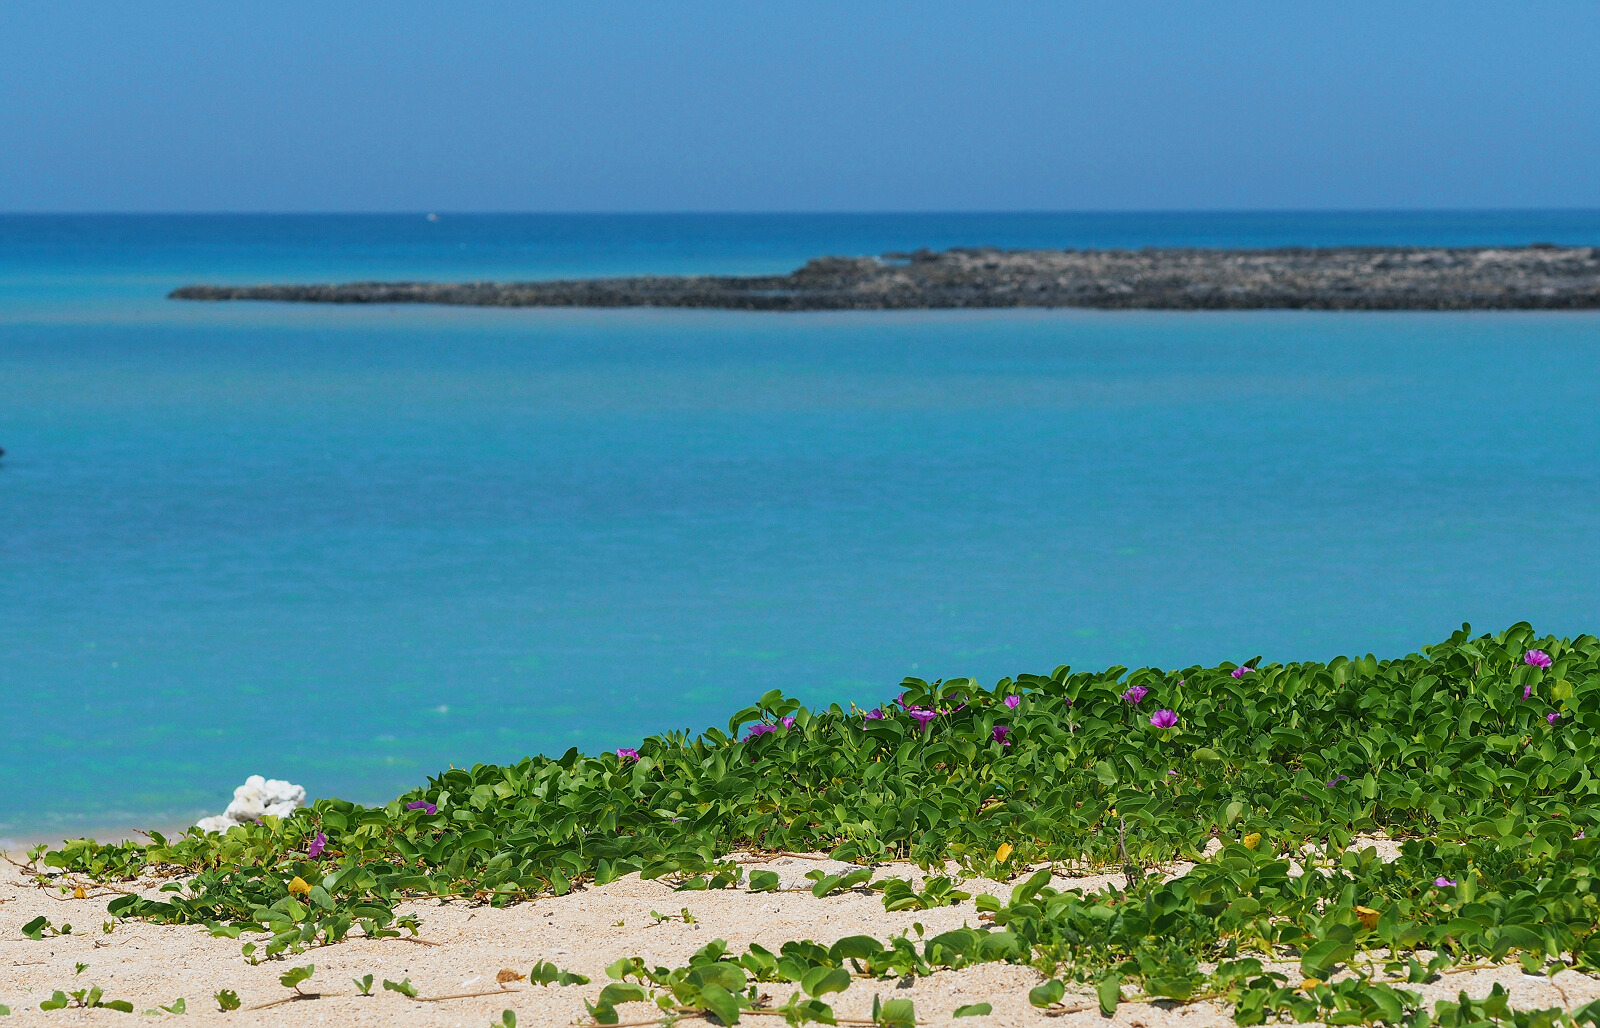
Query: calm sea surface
352,546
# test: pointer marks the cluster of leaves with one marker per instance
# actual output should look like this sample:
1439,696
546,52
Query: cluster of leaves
41,925
718,983
1476,750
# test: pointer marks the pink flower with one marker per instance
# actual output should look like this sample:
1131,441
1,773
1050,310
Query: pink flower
923,716
422,805
318,844
627,753
1536,658
1442,881
761,729
1240,672
1164,718
1001,735
788,722
1136,694
1013,702
1553,716
1579,835
873,715
1527,691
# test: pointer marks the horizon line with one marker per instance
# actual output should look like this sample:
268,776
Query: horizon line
929,212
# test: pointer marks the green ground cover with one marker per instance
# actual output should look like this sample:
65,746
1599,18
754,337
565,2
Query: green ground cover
1476,752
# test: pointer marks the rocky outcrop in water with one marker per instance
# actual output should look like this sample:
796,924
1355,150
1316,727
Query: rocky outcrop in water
1343,278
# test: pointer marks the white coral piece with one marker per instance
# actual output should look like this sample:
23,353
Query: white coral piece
257,798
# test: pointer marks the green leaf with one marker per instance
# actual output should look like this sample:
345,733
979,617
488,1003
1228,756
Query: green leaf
508,1018
404,988
57,1001
897,1013
720,1002
973,1010
764,881
227,1000
1109,992
1320,960
1047,994
819,981
622,992
291,978
35,929
854,947
179,1006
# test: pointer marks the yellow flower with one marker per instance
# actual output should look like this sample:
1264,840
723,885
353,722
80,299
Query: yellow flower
1003,852
1310,983
298,887
1369,917
1252,840
78,893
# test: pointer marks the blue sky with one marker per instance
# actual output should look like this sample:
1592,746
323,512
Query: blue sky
682,106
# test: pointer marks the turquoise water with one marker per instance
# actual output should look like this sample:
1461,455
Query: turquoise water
351,546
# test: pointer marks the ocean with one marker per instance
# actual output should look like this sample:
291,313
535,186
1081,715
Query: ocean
354,546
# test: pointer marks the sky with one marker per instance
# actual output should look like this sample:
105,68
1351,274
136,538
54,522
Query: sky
661,105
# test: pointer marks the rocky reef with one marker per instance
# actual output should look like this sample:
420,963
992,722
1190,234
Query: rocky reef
1540,276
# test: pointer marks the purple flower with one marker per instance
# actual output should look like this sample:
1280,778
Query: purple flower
1553,716
788,722
1136,694
1442,881
923,716
1240,672
1001,735
1536,658
627,753
423,805
1013,702
1164,719
318,843
1527,691
875,714
1579,835
1338,778
761,729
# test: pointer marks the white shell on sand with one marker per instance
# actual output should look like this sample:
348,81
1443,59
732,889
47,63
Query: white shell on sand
256,798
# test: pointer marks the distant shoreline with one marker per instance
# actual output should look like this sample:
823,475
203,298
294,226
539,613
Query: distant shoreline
1536,277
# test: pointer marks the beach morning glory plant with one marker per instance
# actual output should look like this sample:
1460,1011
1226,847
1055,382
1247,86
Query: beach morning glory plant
1537,658
1164,718
1136,694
